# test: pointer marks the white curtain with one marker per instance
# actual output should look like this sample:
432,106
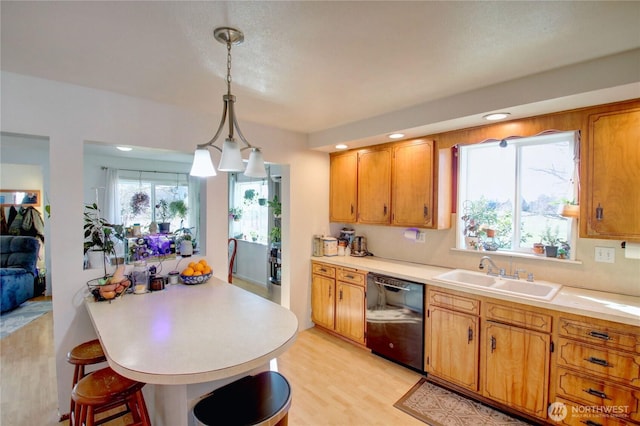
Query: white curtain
193,202
111,197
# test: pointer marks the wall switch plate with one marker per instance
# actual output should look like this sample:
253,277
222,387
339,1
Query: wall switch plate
605,254
422,237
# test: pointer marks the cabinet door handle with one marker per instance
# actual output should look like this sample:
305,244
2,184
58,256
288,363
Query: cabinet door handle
590,423
469,335
351,208
425,211
493,344
599,335
599,212
340,296
595,393
385,209
330,292
598,361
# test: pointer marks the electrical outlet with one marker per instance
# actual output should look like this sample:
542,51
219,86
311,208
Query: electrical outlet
422,237
605,254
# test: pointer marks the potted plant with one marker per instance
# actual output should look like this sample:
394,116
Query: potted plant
276,205
275,234
550,240
139,203
235,213
250,196
570,209
184,241
254,235
178,208
538,248
99,236
163,211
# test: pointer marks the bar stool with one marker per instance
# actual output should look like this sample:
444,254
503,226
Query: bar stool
106,388
87,353
263,399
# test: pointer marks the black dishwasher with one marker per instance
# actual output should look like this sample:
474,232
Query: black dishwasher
395,320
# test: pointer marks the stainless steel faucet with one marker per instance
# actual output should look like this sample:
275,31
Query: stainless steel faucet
492,266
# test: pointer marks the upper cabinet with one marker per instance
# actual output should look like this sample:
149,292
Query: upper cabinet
611,167
343,187
374,186
397,184
412,184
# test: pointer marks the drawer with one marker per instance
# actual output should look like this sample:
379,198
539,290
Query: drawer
454,302
602,333
352,276
323,269
581,415
517,316
609,364
599,394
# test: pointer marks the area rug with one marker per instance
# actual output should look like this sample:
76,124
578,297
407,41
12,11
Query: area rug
437,406
22,315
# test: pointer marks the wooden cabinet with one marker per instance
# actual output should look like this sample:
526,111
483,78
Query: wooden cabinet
343,187
597,365
412,184
611,168
515,357
374,186
338,300
398,184
323,290
452,328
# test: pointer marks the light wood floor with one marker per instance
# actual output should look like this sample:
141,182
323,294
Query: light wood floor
334,382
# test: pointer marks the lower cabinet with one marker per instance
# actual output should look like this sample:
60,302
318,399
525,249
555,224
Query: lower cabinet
515,367
453,338
338,300
597,374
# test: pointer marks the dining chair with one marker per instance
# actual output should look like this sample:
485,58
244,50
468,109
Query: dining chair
233,247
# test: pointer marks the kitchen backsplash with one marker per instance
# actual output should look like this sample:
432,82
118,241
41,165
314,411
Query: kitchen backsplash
622,276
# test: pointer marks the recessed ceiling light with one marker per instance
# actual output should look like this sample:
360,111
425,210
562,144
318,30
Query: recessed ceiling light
396,135
124,148
341,146
496,116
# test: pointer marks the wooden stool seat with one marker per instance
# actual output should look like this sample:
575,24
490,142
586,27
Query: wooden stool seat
106,388
87,353
263,399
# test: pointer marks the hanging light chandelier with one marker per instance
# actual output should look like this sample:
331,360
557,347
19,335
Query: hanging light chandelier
231,158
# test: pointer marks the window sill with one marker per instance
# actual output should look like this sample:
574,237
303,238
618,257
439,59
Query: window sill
519,255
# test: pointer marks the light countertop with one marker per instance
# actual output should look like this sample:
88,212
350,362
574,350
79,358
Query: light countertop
191,333
610,306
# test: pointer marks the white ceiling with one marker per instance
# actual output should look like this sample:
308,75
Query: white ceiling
308,66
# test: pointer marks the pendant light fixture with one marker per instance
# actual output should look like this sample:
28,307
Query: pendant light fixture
231,158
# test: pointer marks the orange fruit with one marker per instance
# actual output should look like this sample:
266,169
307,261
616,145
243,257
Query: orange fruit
197,273
207,270
188,272
191,264
199,267
203,261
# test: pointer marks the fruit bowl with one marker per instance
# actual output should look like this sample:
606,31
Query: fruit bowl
196,279
98,288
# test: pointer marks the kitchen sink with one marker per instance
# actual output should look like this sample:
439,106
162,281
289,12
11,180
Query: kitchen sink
536,290
461,276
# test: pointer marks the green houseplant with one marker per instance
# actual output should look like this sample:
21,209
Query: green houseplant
276,205
165,214
100,235
550,240
178,208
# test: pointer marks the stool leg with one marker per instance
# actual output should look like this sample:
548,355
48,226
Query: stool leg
142,406
89,420
78,373
284,421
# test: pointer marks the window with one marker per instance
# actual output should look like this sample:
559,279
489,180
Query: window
249,212
517,192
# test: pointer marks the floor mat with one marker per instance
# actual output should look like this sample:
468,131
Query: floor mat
437,406
22,315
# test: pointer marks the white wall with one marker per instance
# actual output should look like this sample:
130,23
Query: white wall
70,115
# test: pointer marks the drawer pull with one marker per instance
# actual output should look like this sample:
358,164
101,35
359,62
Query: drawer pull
598,361
599,335
349,276
596,393
323,270
590,423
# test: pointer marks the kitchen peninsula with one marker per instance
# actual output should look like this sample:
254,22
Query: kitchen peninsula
186,341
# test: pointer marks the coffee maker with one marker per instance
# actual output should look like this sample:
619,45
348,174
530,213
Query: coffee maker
359,247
